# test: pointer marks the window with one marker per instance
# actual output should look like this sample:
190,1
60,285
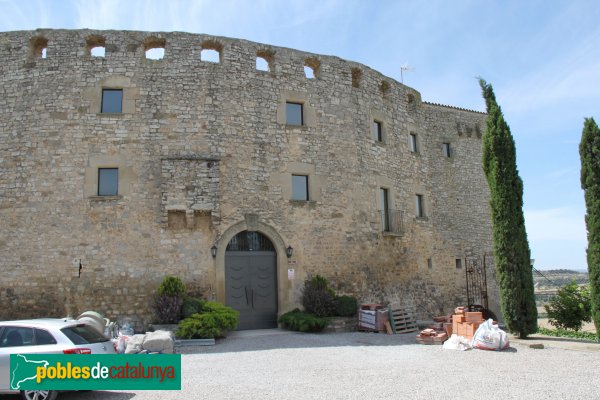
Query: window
413,143
108,181
458,263
96,45
294,114
446,150
429,263
83,334
300,187
43,337
16,336
385,209
420,206
112,101
154,47
377,131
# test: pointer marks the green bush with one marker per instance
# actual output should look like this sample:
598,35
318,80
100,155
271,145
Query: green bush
192,305
345,306
171,286
317,297
214,320
567,333
301,321
570,307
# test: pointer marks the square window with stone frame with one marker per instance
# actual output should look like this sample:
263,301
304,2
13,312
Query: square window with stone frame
294,113
108,181
300,187
377,130
112,101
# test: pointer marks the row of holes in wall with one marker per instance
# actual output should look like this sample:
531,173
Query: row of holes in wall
211,52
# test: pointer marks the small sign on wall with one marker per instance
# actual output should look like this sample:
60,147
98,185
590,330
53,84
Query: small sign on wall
291,274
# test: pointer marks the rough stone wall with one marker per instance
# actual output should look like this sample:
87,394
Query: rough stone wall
199,147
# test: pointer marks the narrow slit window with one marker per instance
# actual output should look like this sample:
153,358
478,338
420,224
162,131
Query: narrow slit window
413,143
294,114
112,101
300,187
385,209
108,181
420,207
458,263
44,52
377,131
446,149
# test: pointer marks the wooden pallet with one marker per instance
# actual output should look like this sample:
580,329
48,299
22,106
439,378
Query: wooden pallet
402,320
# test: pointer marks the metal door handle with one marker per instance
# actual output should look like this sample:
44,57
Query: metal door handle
246,293
252,298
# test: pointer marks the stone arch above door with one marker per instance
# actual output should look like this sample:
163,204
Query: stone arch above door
283,284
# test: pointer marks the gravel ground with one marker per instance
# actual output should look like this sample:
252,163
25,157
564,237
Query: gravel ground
371,366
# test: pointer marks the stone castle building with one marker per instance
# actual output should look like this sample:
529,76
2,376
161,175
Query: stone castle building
117,170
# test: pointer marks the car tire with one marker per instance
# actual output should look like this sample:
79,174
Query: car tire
39,394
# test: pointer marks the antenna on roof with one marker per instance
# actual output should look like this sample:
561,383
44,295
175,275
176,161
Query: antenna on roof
403,68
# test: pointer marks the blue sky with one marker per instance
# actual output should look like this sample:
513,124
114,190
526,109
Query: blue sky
542,57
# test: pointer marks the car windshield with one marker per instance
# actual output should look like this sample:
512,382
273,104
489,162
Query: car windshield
83,334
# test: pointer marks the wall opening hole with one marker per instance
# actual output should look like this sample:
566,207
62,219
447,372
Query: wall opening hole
39,46
96,45
210,55
154,48
262,64
312,68
356,77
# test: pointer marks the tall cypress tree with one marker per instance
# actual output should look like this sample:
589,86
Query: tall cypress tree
589,151
511,249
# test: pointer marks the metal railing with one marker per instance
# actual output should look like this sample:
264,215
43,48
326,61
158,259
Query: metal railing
392,221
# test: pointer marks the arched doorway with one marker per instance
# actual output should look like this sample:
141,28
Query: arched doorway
251,280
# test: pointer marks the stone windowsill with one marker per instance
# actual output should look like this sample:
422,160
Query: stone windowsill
424,219
303,202
301,127
105,198
391,234
110,115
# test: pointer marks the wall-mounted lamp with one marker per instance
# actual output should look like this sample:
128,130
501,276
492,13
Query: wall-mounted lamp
213,250
289,252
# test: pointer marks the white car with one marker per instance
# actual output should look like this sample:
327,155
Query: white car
46,336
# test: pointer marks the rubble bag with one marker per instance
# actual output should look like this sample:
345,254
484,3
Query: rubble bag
489,337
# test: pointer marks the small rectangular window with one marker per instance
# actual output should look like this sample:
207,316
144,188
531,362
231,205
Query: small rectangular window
300,187
429,263
294,114
108,181
112,101
385,209
420,206
446,150
458,263
413,143
377,131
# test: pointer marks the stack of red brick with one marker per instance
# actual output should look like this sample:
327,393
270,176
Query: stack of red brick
431,336
465,323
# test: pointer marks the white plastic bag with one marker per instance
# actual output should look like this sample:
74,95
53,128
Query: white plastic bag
456,342
489,337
